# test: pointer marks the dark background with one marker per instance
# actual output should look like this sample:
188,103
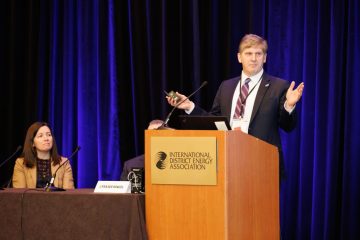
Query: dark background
96,71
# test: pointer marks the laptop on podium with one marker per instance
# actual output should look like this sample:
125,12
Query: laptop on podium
190,122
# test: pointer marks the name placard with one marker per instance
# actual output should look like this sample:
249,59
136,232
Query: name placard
184,160
113,187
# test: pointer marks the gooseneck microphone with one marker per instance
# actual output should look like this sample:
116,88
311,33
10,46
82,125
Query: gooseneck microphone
8,159
50,185
178,104
12,155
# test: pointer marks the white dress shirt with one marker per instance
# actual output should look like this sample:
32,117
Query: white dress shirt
243,122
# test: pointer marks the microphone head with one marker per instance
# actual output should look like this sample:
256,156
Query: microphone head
19,148
204,83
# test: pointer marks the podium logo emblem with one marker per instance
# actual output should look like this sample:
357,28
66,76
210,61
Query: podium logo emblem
160,160
183,160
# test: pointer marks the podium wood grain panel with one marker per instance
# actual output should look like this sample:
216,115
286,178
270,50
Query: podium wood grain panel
252,180
243,205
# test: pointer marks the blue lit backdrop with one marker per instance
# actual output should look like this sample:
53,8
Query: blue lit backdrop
96,70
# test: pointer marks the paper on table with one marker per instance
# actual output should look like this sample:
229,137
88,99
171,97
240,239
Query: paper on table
221,126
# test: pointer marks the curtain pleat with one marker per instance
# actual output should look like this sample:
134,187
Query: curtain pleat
96,71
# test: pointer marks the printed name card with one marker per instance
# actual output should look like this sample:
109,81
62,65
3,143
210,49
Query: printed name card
113,187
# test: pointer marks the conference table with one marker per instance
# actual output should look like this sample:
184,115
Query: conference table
72,214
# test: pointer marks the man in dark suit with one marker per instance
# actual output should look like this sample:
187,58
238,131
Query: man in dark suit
129,165
255,102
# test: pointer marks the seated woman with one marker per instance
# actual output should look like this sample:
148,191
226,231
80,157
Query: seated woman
40,160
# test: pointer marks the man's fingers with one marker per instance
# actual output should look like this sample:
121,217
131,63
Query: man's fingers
300,88
292,86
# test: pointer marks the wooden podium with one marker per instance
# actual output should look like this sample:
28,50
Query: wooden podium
244,203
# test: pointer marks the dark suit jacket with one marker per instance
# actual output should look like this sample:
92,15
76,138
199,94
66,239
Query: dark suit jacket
136,162
268,114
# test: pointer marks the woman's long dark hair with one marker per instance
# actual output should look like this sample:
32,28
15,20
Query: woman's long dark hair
30,154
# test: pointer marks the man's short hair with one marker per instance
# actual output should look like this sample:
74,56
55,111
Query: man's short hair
251,40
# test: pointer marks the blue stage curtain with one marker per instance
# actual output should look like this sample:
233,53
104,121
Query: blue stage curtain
83,95
317,42
96,70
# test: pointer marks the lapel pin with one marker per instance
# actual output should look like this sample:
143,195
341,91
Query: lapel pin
267,85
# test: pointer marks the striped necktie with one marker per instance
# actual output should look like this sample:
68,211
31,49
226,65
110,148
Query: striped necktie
240,104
